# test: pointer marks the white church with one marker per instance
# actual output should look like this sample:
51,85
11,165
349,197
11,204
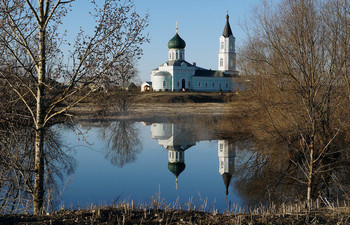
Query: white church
178,74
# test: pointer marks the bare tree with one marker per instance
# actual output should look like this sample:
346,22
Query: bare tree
32,62
296,59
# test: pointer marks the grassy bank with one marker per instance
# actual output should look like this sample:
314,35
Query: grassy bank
132,214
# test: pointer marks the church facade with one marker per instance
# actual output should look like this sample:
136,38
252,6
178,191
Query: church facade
178,74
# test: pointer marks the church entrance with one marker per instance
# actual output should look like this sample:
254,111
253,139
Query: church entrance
183,84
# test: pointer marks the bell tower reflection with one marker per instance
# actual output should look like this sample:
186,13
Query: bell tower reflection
227,155
176,138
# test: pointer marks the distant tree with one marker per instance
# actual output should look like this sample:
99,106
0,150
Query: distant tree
297,56
32,63
122,73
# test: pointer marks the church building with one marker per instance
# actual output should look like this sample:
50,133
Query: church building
178,74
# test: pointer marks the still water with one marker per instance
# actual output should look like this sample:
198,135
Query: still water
123,161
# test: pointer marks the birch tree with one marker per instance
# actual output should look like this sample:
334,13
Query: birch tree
49,81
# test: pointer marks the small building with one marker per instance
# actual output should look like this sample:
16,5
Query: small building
178,74
146,86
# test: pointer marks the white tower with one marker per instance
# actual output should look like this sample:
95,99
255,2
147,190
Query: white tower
227,52
227,154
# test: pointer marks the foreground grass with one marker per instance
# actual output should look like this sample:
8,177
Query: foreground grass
125,213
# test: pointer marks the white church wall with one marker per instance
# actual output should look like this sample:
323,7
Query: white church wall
161,83
210,84
161,130
183,73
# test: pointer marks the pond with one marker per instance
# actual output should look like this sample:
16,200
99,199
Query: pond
173,163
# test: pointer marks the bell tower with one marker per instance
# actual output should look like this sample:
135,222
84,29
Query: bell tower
227,52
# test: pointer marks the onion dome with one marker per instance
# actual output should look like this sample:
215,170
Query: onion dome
176,42
176,168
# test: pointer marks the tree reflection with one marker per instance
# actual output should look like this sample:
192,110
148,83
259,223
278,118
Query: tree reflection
266,174
17,168
123,143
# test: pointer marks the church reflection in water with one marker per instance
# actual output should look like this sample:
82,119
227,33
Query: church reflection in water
177,138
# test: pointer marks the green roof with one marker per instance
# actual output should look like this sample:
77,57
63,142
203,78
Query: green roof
176,42
176,168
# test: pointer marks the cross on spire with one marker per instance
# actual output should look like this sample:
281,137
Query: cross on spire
177,28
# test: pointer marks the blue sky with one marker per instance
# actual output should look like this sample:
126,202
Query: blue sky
201,23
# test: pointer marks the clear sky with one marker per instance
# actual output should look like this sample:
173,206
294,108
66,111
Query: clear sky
201,23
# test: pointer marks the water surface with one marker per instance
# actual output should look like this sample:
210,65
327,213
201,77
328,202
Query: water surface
124,161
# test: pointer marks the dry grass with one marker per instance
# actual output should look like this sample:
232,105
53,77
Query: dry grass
159,212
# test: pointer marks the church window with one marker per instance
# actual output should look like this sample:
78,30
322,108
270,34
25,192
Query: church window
220,85
213,84
226,85
199,84
172,55
222,45
177,55
189,83
164,83
206,84
169,55
221,147
180,55
221,62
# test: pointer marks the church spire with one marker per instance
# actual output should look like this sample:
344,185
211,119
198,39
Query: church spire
227,30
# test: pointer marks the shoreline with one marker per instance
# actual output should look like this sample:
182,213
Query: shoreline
151,113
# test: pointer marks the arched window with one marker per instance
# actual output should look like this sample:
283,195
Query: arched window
199,84
189,83
172,55
213,84
206,84
164,83
177,55
221,62
226,85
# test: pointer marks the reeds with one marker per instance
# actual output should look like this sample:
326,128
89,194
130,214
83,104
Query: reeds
194,211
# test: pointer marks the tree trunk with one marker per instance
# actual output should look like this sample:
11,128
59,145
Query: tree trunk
309,180
38,195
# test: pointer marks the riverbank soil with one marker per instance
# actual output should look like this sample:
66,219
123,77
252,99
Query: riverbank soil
125,215
157,106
